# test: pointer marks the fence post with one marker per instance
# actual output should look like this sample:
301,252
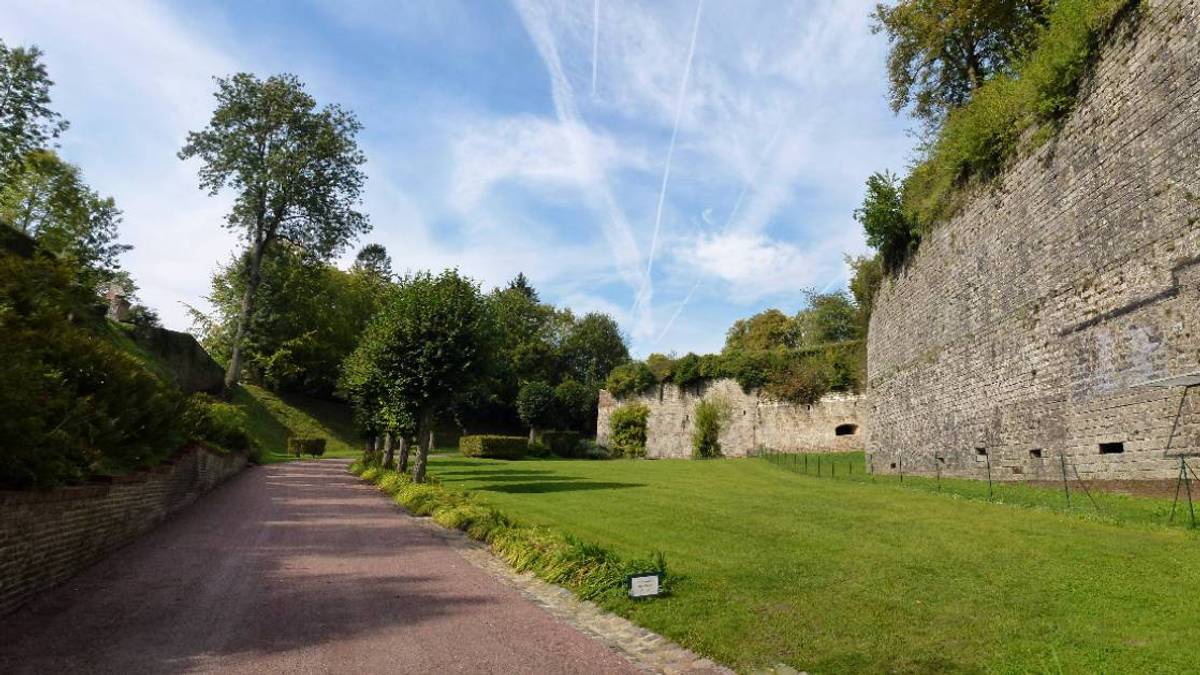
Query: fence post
900,463
988,457
937,463
1062,461
806,464
1187,482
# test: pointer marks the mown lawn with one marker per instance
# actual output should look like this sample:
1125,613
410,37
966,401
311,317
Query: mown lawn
272,418
771,566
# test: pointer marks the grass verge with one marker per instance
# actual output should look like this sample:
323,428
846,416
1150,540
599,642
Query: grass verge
271,418
590,571
771,566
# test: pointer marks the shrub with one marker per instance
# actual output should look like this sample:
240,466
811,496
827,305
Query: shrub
497,447
627,426
630,378
536,405
561,443
711,415
577,404
307,446
217,422
687,370
802,381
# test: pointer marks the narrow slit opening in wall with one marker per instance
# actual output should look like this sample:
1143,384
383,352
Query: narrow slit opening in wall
982,452
1036,453
1112,448
893,465
845,430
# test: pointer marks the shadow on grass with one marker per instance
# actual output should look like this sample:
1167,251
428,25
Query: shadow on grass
566,486
485,473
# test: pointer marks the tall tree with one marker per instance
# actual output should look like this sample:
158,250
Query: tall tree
374,259
521,284
829,317
943,50
592,347
296,172
426,345
769,329
26,121
888,228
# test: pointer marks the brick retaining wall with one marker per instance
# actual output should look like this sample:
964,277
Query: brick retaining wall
46,537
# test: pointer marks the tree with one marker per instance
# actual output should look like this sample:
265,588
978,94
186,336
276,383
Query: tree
47,199
296,172
374,259
577,403
943,50
522,285
661,365
769,329
865,279
537,407
889,230
829,317
592,347
26,121
427,344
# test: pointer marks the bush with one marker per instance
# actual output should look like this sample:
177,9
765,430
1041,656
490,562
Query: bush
496,447
216,422
577,404
561,443
590,449
801,381
306,446
627,426
630,378
711,415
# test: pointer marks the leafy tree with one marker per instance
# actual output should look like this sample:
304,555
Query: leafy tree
769,329
296,172
537,406
829,317
577,403
866,277
374,259
711,415
943,50
427,344
661,366
522,285
592,347
47,199
629,378
26,121
888,228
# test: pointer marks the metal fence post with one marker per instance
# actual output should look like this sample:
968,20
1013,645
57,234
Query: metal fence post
988,457
1062,461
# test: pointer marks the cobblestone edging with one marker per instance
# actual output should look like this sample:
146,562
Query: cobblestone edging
646,650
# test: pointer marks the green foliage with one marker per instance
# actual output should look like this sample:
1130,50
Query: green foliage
26,121
660,366
980,138
217,422
536,405
74,405
943,50
629,378
627,430
888,228
373,260
710,416
577,404
306,446
592,348
829,317
688,370
590,571
769,329
800,380
865,280
562,443
497,447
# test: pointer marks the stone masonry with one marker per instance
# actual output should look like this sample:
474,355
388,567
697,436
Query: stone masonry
1029,331
833,424
46,537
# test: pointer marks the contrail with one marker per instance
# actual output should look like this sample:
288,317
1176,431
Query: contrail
662,194
737,205
595,42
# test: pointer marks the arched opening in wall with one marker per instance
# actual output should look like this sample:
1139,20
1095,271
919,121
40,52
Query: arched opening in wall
845,430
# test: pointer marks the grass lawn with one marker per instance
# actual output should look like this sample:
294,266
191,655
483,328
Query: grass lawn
771,566
273,417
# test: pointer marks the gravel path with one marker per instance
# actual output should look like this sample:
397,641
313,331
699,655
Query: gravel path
294,567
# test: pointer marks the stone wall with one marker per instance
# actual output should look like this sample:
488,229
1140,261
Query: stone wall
755,423
47,537
1028,326
191,367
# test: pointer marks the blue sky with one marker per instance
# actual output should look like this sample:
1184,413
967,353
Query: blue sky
677,165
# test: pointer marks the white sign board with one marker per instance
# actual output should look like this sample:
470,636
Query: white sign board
643,586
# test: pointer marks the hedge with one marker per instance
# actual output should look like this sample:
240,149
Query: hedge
561,443
496,447
307,446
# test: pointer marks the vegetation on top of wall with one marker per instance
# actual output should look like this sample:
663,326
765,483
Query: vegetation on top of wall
1014,111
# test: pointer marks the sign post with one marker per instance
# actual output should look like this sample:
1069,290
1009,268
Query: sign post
644,585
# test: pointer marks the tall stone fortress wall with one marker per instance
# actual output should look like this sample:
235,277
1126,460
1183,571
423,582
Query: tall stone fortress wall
755,423
1024,334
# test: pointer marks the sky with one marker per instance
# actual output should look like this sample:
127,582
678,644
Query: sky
676,164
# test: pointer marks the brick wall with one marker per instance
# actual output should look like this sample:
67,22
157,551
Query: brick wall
1026,326
47,537
754,423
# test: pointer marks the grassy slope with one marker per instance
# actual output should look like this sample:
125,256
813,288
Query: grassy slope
272,417
834,576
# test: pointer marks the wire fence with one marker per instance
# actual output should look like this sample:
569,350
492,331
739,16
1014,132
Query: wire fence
1062,490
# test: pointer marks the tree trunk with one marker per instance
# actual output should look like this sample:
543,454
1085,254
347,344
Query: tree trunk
424,434
403,454
389,457
234,372
532,435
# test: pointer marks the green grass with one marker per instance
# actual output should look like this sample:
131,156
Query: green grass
272,418
773,566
